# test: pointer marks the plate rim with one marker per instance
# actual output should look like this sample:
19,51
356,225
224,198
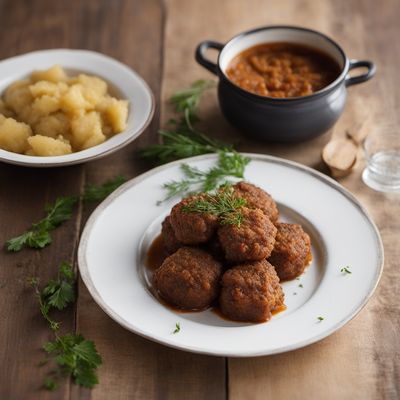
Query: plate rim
84,271
42,163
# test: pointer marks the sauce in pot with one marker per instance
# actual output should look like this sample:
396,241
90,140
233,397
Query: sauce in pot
282,70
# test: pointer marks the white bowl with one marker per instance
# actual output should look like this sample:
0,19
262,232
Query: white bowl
124,81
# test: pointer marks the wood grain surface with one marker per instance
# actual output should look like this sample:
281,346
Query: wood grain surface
157,39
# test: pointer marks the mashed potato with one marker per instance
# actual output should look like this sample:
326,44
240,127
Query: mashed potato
51,114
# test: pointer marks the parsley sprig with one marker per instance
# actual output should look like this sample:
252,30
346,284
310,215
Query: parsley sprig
345,270
72,353
38,235
57,294
229,165
74,356
182,139
223,204
177,328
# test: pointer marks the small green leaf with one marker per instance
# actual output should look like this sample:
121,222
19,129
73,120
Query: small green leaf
177,328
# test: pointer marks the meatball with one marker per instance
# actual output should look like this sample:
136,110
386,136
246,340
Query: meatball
190,227
257,198
189,279
292,251
252,241
250,292
171,243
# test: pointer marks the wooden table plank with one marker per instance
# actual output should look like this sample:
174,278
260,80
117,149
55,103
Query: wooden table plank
361,361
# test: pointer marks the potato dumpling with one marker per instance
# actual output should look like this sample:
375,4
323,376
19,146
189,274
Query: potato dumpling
42,88
14,135
45,105
74,101
53,125
55,114
53,74
86,131
4,110
115,113
18,95
47,146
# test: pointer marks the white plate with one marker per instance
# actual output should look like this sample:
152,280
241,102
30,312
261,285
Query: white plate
123,81
114,243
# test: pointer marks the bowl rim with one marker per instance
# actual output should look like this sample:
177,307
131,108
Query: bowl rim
322,92
76,158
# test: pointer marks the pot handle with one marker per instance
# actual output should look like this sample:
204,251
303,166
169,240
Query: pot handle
200,54
371,69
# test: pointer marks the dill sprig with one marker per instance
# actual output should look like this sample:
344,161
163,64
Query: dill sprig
229,165
182,139
223,204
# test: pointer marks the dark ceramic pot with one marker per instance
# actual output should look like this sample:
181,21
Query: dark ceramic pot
282,119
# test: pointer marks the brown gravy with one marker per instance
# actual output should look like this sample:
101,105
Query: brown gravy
282,70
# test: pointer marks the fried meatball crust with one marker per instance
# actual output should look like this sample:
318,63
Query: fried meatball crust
250,292
171,243
189,279
192,228
257,198
292,251
252,241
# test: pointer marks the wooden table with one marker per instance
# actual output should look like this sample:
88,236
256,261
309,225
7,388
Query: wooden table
361,361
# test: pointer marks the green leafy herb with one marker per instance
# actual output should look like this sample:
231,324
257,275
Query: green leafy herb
223,204
75,356
301,285
188,99
50,383
320,319
345,270
72,353
57,294
229,165
182,139
94,193
177,328
38,236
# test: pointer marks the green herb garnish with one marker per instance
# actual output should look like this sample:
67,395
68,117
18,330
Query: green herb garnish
301,285
38,236
228,165
320,319
74,356
58,293
94,193
223,204
72,353
177,328
182,139
345,270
